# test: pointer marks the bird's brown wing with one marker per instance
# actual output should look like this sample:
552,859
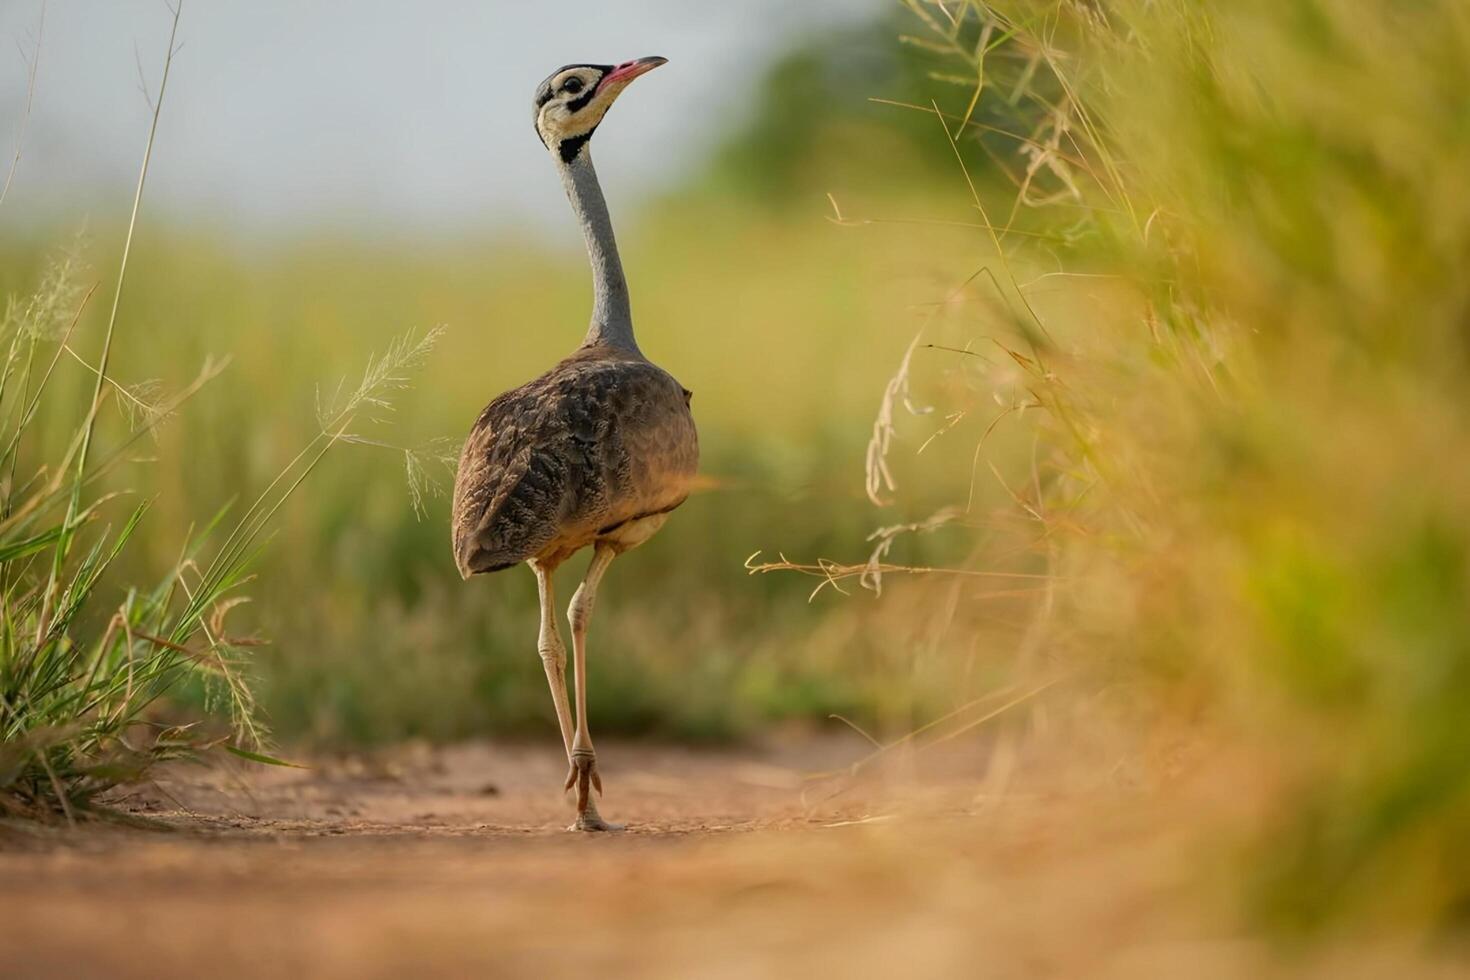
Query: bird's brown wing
511,481
591,443
531,471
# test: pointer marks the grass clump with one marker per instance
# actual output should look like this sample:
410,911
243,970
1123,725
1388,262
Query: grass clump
87,659
86,662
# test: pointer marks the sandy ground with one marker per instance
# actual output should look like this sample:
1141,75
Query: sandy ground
454,862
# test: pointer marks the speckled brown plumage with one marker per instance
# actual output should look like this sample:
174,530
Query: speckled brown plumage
596,451
603,438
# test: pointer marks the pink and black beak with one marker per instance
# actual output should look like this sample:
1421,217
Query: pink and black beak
623,74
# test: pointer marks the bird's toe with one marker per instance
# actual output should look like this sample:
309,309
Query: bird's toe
583,776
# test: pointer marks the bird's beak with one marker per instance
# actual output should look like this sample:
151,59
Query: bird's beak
629,70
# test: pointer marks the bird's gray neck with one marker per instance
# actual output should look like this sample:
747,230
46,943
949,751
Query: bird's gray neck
612,318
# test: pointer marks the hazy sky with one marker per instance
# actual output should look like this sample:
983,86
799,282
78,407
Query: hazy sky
412,115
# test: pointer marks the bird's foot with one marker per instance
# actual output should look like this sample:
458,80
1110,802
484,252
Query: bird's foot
582,775
589,822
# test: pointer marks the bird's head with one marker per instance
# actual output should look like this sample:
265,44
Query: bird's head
572,100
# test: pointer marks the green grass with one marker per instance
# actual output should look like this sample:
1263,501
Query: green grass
76,683
89,660
362,590
373,637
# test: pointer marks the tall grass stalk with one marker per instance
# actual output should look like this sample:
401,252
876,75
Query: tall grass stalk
74,503
33,65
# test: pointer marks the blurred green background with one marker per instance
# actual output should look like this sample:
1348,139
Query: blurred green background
785,325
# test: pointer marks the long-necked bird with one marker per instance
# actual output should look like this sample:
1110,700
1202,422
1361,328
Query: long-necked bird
597,451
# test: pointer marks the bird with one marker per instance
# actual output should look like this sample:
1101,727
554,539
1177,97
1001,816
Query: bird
596,452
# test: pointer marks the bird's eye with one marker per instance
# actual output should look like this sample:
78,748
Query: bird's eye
572,86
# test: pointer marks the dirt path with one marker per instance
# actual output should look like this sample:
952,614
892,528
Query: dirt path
453,863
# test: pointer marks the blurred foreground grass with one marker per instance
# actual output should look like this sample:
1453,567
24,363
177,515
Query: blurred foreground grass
1251,436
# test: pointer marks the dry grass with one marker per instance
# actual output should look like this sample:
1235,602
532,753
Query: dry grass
1229,355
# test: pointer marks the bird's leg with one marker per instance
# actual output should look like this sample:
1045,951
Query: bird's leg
553,653
583,757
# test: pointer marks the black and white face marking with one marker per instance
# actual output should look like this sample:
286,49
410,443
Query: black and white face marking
565,119
572,100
